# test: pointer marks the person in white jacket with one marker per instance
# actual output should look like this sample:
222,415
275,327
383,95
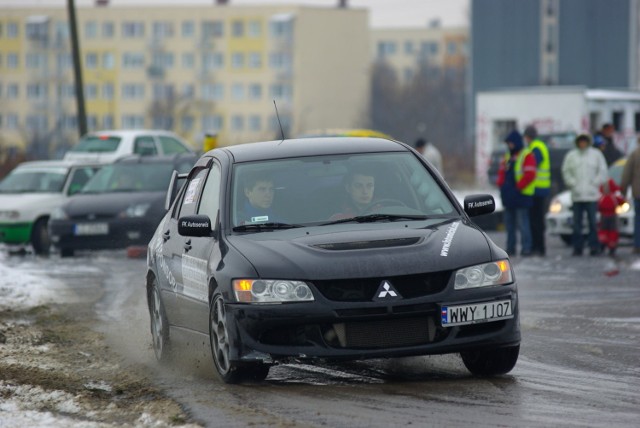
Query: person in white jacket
584,169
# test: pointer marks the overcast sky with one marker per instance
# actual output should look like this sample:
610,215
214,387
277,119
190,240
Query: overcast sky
382,13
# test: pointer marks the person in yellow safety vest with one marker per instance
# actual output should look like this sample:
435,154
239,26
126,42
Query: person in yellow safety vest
542,189
210,142
516,179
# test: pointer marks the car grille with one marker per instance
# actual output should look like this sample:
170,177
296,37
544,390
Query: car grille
92,217
386,333
364,289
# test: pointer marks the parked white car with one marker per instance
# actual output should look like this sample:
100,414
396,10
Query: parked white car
107,146
30,193
559,218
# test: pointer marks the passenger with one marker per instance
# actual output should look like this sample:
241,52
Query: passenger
360,187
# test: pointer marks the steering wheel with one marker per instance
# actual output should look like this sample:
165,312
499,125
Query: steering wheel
389,202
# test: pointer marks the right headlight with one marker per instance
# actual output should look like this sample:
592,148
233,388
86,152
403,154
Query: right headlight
271,291
555,207
484,275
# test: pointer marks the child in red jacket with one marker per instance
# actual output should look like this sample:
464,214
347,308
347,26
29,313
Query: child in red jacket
610,199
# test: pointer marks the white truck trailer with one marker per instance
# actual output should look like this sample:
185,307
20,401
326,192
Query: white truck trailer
556,111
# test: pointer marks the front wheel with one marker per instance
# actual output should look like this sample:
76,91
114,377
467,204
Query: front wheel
229,371
491,362
40,240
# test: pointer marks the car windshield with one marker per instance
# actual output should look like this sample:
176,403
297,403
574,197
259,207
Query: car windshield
131,177
335,189
615,172
97,144
29,180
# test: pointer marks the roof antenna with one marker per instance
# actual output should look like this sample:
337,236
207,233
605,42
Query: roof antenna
278,117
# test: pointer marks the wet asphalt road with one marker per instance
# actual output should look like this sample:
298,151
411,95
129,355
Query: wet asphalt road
579,362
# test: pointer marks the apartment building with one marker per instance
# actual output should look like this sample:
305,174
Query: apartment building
406,50
192,69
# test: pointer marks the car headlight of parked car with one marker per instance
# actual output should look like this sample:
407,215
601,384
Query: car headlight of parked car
59,214
136,210
623,208
484,275
555,207
10,214
271,291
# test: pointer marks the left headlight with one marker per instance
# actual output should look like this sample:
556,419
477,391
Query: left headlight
271,291
623,208
136,210
484,275
555,207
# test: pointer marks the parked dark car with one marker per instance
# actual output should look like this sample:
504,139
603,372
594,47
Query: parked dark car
305,279
120,206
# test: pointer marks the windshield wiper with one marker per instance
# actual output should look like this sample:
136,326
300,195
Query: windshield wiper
258,227
371,218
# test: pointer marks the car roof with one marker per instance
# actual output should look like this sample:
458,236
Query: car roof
280,149
132,132
158,158
52,164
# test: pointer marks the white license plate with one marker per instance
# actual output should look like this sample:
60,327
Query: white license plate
92,229
476,313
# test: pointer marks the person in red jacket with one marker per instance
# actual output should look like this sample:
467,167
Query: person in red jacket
610,199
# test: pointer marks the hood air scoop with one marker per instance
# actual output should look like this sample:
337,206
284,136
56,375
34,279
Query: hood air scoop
361,245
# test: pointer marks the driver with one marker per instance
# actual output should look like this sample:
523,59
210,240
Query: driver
360,187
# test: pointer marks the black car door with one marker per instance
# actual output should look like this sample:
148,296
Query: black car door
192,293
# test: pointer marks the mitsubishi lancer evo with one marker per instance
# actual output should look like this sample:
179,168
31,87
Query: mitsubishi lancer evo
327,249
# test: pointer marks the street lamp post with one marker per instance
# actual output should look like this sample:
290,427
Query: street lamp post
77,68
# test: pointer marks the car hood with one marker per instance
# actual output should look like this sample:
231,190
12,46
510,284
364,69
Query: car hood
106,157
21,201
108,204
564,198
363,251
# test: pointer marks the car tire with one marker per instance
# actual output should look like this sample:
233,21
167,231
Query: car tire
66,252
159,325
40,240
491,362
567,239
229,371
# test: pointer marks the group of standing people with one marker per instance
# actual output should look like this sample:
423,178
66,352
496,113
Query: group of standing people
524,179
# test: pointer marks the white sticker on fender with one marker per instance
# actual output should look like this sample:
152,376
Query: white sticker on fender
194,277
446,242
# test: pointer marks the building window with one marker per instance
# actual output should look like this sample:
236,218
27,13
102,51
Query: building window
186,123
66,90
36,61
37,122
237,29
91,91
255,60
255,91
108,30
255,123
237,122
618,120
188,28
237,60
281,28
108,61
132,121
212,61
428,49
409,47
132,29
452,48
237,92
163,59
281,91
63,61
11,121
254,29
12,92
213,91
37,91
188,90
62,31
212,29
107,122
91,61
386,48
90,29
133,91
162,29
12,60
12,30
280,60
163,91
188,60
107,91
132,60
212,123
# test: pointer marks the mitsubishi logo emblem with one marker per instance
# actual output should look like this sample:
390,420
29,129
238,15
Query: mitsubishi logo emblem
386,291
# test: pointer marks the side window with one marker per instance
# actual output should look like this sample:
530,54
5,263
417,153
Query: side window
171,145
79,178
210,201
190,197
145,146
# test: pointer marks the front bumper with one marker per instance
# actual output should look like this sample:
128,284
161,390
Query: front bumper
113,233
562,224
340,330
15,233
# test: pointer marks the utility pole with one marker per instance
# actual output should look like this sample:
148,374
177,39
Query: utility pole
77,68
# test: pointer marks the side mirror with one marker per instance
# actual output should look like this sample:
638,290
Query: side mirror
475,205
194,225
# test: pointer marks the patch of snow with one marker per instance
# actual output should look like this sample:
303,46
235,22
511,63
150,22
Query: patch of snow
21,290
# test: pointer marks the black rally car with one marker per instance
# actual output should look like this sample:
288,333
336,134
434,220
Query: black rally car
328,248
